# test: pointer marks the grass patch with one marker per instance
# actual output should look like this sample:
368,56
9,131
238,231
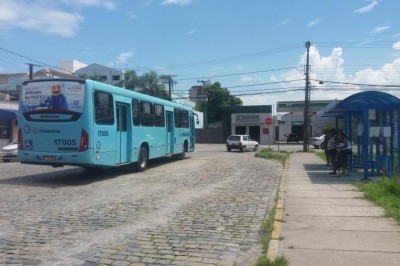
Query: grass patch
321,154
268,225
280,261
268,153
266,231
385,193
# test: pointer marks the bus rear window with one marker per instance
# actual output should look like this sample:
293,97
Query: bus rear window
52,101
104,108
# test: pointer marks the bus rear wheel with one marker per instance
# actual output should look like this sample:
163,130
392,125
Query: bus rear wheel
182,155
142,160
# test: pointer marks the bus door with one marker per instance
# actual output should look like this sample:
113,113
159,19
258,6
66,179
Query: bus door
170,133
122,132
192,132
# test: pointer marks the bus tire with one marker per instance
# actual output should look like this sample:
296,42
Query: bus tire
182,155
141,164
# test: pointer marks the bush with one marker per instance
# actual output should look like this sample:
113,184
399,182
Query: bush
270,154
386,193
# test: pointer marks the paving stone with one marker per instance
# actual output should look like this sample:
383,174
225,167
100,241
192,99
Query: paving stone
204,210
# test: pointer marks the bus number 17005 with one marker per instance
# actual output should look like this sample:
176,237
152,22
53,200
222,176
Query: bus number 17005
65,142
102,133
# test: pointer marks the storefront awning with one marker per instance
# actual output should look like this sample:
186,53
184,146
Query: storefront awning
8,114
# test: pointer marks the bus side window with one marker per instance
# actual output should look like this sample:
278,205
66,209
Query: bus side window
159,118
104,108
147,113
136,112
178,117
185,119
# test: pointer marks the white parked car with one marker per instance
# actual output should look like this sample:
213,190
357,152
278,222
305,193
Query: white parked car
317,140
241,142
10,152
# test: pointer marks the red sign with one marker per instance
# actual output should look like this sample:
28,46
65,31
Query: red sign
268,121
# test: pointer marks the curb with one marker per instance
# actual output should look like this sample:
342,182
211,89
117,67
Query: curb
273,248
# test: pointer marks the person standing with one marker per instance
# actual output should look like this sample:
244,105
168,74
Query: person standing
331,147
324,146
341,150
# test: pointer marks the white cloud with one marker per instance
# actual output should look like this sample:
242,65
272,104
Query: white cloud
314,22
284,22
396,45
191,32
246,79
388,74
108,4
367,8
378,30
24,15
131,14
239,67
327,68
122,58
45,16
8,12
176,2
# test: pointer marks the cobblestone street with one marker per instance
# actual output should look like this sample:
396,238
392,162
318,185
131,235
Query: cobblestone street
204,210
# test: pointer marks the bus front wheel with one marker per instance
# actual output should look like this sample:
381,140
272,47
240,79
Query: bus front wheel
142,160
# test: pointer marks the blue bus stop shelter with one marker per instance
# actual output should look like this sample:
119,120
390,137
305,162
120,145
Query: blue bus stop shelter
372,125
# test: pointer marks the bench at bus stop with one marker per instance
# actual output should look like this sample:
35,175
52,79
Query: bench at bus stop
381,165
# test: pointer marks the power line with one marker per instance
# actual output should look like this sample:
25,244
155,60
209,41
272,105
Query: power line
235,58
357,84
238,74
349,44
259,84
33,60
262,84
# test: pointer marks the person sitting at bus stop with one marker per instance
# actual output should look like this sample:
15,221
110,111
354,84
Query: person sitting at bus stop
342,152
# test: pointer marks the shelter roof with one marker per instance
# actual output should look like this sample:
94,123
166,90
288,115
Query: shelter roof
363,101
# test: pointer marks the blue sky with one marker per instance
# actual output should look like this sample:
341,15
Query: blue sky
255,48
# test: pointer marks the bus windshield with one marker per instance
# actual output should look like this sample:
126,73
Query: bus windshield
52,101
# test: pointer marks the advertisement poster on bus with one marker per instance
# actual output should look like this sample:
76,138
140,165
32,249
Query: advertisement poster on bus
55,95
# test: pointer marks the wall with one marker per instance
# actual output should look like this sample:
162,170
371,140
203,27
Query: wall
249,122
210,135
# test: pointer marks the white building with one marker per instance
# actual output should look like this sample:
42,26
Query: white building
71,66
102,73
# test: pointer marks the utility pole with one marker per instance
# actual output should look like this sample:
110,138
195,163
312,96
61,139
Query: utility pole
203,93
170,82
307,102
31,70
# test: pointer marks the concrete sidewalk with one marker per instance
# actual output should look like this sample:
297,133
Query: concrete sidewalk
326,221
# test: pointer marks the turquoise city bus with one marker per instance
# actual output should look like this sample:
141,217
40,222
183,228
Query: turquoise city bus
91,124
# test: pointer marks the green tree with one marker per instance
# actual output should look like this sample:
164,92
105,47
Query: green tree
130,80
218,99
152,85
149,83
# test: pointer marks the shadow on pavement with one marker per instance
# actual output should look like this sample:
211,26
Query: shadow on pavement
319,174
77,176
